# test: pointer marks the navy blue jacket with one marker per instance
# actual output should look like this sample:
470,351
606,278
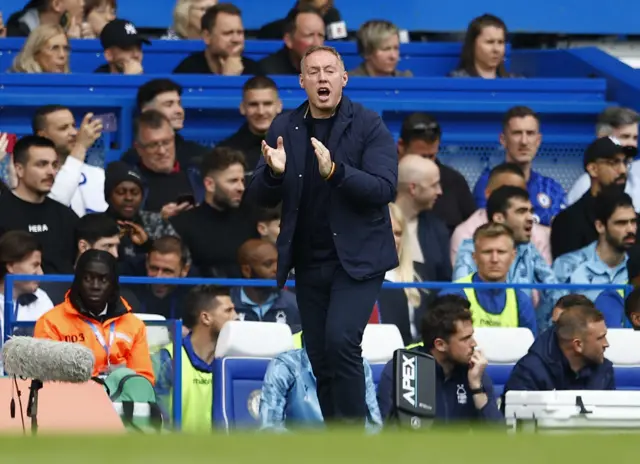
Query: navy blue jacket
453,401
545,368
433,236
363,185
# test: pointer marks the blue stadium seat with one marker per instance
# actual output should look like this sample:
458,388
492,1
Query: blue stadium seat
379,342
624,353
243,353
502,347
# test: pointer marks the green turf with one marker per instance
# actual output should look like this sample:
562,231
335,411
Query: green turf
327,448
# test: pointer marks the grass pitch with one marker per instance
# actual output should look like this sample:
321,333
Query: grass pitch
334,447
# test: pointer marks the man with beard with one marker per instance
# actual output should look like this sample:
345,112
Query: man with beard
215,229
95,315
606,161
568,356
605,260
447,335
258,260
511,206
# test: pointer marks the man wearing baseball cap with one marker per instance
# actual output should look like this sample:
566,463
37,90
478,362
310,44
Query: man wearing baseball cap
122,45
606,162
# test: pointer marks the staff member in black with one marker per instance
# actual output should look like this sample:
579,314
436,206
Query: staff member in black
333,165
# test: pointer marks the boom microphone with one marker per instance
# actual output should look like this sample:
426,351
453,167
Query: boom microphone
47,360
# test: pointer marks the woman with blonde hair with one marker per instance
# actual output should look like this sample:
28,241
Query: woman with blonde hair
379,45
403,307
46,50
187,16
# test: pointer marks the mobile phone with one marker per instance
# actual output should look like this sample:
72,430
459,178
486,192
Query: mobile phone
109,121
11,139
125,230
186,198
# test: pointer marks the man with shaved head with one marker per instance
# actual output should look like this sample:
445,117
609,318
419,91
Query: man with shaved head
258,259
418,189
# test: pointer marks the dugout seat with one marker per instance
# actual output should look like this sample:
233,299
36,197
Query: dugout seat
243,353
157,335
624,353
502,347
379,342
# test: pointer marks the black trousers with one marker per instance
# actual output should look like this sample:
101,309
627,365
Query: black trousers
334,309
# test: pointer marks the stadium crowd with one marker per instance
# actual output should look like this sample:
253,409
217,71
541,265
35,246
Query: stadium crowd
171,207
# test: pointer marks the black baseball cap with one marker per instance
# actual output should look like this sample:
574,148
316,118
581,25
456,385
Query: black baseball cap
122,34
607,148
420,126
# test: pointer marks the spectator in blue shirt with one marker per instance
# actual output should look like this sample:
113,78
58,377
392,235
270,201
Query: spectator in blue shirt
463,389
618,310
605,260
567,356
521,139
494,253
258,259
510,206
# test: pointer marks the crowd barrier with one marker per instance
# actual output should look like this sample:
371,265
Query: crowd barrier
548,16
469,110
162,56
239,370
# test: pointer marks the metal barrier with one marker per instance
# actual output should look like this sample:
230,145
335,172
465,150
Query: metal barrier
176,325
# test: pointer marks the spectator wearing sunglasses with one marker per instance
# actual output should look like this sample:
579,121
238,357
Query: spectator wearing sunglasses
421,135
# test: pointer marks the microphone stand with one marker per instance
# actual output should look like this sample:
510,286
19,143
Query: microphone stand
32,405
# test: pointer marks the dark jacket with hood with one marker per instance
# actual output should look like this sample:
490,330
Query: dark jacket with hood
545,368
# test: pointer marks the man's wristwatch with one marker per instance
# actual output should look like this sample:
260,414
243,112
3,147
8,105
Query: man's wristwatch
477,391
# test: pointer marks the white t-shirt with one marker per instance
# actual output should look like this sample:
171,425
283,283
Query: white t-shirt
32,311
414,243
80,186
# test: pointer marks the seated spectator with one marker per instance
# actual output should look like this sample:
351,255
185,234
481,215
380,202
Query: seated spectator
21,253
122,45
289,394
494,253
379,46
303,30
567,356
568,302
167,258
483,50
36,13
418,189
94,314
214,230
421,135
258,259
3,29
97,14
618,310
260,105
28,207
92,232
187,19
268,224
521,140
223,35
206,309
167,183
607,163
123,190
501,175
447,335
46,50
402,307
165,96
605,260
336,28
621,124
511,206
78,185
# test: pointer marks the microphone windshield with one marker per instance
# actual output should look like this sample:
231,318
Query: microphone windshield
47,360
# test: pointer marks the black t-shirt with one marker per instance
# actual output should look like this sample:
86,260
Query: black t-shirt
278,63
164,188
196,63
51,222
103,69
248,143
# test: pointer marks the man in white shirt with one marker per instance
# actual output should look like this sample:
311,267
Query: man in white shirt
621,124
77,184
